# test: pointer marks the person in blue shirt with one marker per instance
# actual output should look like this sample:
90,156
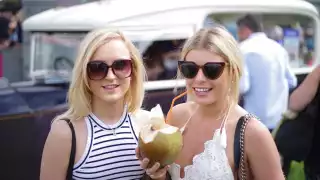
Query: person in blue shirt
267,76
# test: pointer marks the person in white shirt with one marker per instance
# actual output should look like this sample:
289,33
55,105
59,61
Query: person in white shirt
267,76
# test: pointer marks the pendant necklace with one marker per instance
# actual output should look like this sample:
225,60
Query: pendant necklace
114,132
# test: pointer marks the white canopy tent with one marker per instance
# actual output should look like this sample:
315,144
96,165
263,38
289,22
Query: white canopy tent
142,13
143,20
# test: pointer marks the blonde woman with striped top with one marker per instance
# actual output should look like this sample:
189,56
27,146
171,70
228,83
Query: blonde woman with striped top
104,99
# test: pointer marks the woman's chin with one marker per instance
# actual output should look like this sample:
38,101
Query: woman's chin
204,102
204,99
110,98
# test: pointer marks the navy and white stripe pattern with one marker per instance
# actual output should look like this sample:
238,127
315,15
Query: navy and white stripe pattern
110,152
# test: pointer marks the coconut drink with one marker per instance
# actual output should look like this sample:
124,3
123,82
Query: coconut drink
158,141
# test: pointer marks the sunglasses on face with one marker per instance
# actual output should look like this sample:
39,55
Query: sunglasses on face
211,70
98,70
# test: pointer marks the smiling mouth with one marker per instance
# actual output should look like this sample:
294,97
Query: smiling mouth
110,87
200,90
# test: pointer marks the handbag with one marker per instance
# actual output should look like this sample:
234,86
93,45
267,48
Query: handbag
294,135
239,152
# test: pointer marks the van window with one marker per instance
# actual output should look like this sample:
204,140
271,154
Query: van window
55,55
56,52
294,32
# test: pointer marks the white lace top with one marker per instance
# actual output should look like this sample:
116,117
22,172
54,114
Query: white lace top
211,164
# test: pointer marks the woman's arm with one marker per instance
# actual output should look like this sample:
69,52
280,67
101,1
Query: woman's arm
304,94
261,152
55,157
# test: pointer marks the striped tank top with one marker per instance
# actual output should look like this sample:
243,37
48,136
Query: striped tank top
110,151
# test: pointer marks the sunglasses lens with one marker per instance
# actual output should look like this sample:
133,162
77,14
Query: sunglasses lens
213,70
188,69
122,68
97,70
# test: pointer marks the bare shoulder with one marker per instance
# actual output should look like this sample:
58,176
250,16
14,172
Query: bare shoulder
261,152
60,130
60,133
181,113
259,140
253,127
56,151
257,131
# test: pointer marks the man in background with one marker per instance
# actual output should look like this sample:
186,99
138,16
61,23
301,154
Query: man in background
267,76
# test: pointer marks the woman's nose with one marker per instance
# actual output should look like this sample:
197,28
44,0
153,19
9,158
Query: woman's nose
200,76
110,74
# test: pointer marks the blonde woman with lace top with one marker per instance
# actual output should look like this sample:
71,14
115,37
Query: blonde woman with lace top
211,65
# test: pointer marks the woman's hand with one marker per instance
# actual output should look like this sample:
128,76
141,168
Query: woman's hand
155,172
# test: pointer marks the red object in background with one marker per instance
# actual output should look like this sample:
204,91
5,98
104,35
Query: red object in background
310,62
1,65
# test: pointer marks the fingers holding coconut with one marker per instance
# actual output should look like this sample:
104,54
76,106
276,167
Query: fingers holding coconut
156,173
145,163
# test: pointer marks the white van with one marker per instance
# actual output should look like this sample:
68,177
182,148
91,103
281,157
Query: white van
56,33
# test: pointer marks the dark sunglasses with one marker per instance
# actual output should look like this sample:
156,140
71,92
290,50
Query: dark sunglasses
98,70
212,70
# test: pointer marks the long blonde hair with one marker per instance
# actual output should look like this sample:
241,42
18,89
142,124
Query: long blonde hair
79,95
218,40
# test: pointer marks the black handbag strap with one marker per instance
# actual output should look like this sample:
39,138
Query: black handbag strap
239,141
73,150
236,144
